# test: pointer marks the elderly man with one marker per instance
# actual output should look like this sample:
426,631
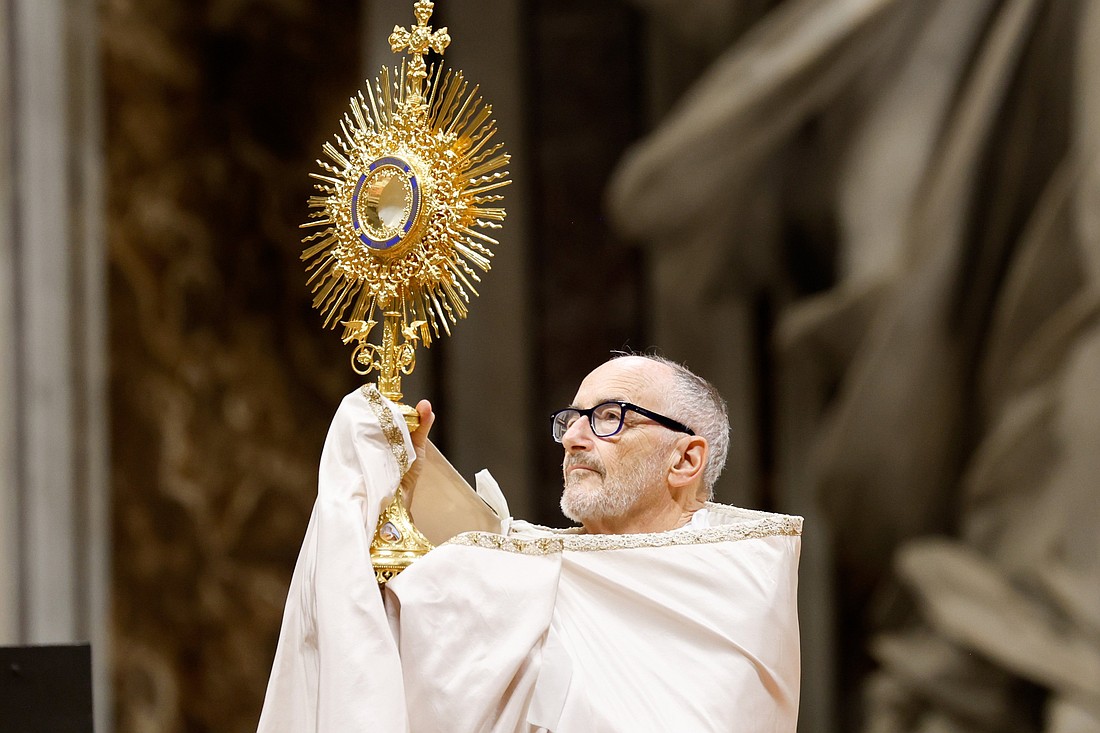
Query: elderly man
664,611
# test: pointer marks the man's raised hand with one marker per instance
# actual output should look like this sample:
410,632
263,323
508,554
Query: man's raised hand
420,445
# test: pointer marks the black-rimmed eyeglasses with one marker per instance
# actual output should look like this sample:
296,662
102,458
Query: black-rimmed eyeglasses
606,419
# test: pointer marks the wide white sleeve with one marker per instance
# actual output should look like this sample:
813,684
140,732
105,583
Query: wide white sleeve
337,667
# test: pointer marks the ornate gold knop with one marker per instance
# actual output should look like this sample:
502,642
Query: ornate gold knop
397,542
406,197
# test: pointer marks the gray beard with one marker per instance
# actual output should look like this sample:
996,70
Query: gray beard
616,496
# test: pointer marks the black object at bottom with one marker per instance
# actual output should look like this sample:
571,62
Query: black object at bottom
46,689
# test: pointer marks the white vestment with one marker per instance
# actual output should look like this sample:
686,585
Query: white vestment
513,627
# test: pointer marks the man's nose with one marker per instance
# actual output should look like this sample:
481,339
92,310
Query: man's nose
578,436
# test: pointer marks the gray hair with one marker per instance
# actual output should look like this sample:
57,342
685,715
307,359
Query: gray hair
698,405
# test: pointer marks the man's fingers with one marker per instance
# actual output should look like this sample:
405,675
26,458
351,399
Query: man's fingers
427,419
420,442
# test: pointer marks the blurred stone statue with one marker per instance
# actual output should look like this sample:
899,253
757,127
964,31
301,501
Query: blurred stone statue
939,387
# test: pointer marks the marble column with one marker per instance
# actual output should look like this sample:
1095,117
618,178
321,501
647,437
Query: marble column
53,468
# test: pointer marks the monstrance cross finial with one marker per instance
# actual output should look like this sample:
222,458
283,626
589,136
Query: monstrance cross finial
417,41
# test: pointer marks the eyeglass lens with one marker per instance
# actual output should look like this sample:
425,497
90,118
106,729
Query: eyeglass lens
605,420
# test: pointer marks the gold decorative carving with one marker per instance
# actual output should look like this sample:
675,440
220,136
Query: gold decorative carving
397,542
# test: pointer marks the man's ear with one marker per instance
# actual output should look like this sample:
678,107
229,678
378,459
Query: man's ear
687,471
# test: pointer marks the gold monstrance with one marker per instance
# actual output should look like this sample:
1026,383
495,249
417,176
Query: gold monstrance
410,185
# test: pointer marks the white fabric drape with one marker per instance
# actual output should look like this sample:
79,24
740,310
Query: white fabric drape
534,630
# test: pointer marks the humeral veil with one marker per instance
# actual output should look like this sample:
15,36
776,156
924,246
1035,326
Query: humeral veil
507,626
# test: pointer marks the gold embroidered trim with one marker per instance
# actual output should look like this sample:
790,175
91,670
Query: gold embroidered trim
493,541
389,425
770,525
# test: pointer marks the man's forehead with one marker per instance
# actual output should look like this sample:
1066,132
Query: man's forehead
630,378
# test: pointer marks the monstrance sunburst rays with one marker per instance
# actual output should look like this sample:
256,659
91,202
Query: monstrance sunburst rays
408,198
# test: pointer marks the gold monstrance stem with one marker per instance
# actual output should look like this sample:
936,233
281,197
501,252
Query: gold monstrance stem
397,542
397,359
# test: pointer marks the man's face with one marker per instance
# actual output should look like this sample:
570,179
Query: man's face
609,478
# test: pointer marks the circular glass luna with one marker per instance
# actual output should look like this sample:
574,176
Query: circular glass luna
386,203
